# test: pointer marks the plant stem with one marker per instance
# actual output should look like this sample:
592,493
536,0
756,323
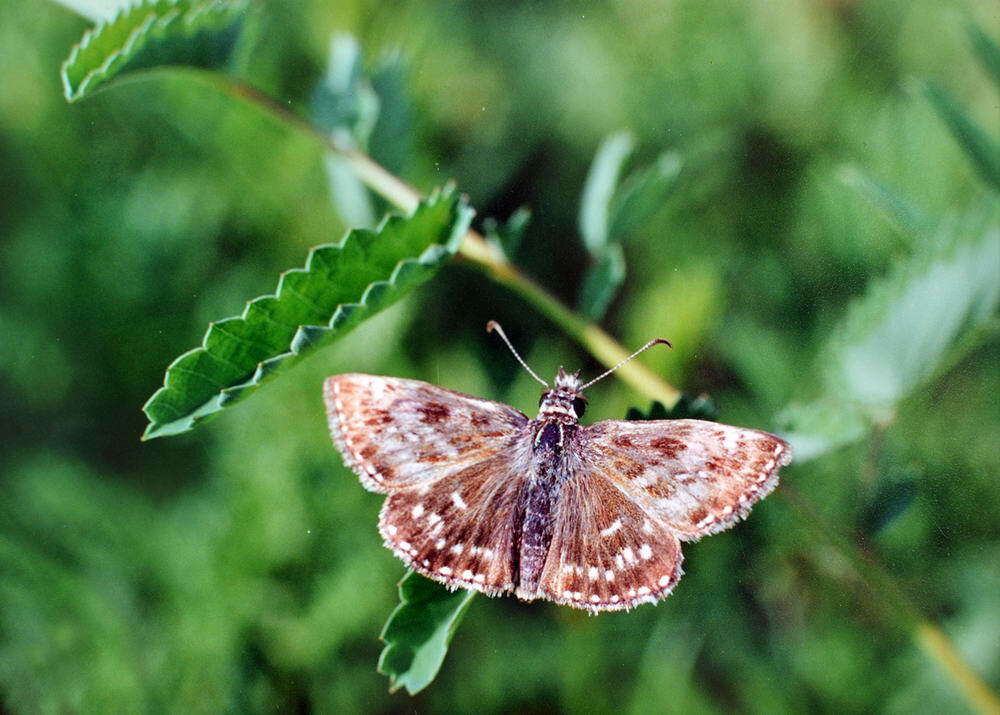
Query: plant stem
897,606
475,249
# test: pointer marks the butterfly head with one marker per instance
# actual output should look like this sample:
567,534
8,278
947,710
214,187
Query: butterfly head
564,402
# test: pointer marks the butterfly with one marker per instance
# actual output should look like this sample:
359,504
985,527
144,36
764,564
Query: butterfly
591,516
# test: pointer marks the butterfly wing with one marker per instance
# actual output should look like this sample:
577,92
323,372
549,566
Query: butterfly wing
461,528
640,488
607,553
396,433
455,468
695,477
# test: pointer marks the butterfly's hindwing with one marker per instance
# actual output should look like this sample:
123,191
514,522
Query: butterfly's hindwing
606,553
461,529
394,432
697,477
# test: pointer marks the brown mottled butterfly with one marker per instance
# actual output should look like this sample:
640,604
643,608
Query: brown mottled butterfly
591,516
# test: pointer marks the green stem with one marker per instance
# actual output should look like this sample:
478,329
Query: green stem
929,637
475,249
897,606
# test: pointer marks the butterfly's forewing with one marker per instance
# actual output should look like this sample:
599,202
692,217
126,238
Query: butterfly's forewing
461,529
695,477
606,553
396,433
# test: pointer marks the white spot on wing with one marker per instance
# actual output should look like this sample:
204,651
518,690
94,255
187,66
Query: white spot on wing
645,552
417,511
458,500
615,526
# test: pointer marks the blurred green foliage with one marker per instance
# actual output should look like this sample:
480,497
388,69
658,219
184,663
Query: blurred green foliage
238,567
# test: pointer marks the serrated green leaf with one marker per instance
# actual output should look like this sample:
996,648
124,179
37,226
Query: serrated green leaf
419,630
987,50
896,334
902,214
900,333
154,33
981,148
341,285
595,202
601,283
642,193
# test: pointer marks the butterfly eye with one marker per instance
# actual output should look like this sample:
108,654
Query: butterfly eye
541,398
579,406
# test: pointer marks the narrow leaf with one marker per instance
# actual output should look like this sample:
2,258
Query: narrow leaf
601,282
341,285
154,33
419,630
987,50
906,218
599,189
641,194
981,148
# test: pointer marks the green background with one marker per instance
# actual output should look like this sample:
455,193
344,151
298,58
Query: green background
238,567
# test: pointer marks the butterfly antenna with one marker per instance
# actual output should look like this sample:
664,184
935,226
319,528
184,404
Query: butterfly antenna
644,348
494,325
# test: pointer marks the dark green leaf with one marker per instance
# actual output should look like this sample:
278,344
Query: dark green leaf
419,630
700,407
641,194
981,148
595,203
507,236
341,285
601,282
154,33
890,501
987,50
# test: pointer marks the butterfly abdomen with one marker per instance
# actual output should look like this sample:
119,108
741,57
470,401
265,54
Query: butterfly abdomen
548,457
536,535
